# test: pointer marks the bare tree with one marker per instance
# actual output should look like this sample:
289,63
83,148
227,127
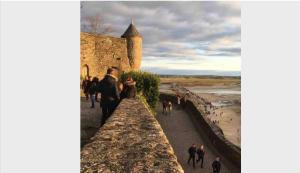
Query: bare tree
94,24
82,3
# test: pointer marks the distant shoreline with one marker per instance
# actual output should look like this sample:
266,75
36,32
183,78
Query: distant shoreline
193,80
186,72
199,76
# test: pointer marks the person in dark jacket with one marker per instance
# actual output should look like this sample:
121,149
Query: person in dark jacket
96,80
109,94
92,91
83,86
165,104
86,83
216,165
200,153
129,89
192,154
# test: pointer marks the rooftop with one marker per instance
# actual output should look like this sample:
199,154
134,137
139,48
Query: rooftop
131,31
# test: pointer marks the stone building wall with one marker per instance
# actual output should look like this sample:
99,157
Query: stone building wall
130,141
99,52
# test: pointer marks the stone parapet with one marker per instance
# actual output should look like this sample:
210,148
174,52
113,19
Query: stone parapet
131,141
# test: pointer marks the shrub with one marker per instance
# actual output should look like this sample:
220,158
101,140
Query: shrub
147,85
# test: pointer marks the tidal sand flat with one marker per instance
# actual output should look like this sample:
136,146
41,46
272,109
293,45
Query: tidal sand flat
224,93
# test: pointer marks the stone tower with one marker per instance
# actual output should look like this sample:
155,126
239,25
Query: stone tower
134,46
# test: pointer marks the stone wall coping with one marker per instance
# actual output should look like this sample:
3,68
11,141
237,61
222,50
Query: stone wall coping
132,141
102,35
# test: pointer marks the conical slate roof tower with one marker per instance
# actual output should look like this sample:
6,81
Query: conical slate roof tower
134,46
131,31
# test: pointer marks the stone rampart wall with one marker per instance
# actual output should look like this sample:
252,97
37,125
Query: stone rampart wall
131,141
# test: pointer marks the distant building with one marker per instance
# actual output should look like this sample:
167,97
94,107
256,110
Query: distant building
99,52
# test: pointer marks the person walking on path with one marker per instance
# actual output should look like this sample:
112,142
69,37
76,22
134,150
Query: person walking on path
192,153
86,83
129,90
178,101
96,80
164,104
109,94
170,107
83,86
92,92
216,165
200,153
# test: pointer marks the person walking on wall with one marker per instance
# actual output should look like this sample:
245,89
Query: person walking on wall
92,92
129,89
192,153
216,165
200,153
96,79
85,86
109,94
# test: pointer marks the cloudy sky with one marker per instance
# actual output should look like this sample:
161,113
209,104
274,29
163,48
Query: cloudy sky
179,37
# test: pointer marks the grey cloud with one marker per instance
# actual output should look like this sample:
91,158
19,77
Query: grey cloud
198,24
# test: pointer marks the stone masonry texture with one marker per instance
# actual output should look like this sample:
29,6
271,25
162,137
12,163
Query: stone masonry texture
130,141
100,52
134,50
